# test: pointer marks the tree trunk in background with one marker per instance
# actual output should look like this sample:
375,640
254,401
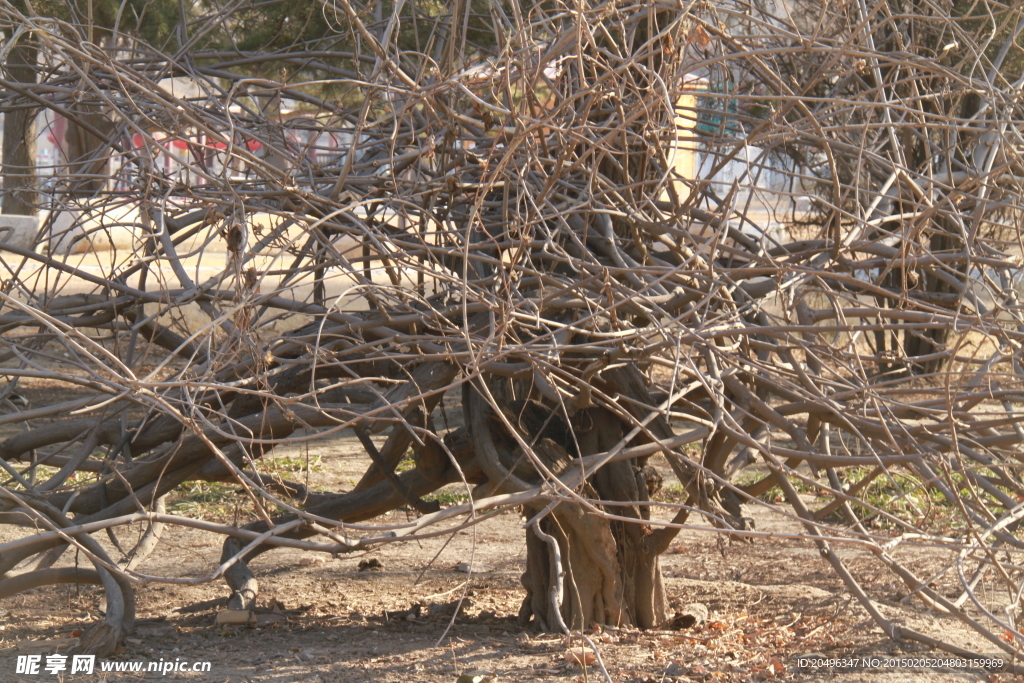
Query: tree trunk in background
19,144
88,155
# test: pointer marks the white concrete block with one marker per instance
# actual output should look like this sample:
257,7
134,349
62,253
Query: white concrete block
100,229
19,231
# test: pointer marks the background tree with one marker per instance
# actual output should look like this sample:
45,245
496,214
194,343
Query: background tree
19,126
972,42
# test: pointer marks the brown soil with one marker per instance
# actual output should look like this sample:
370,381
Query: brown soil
323,620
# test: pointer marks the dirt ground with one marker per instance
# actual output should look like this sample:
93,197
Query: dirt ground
324,620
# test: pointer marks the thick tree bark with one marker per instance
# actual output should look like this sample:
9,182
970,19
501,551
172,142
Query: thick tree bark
87,153
19,144
612,573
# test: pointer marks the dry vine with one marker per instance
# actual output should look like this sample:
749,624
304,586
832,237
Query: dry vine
504,225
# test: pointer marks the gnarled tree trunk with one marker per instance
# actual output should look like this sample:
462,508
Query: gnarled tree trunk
611,574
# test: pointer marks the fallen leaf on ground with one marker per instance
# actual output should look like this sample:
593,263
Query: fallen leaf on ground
580,657
689,616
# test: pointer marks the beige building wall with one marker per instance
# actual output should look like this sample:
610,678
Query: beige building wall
684,149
